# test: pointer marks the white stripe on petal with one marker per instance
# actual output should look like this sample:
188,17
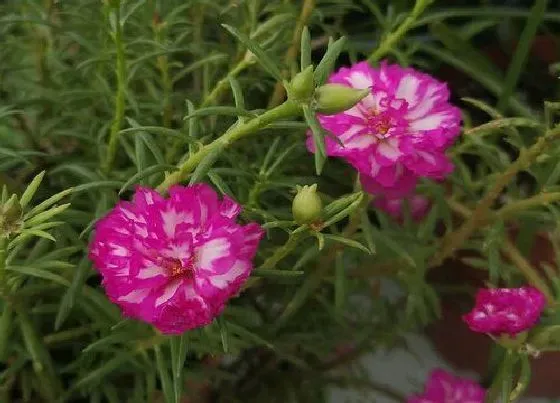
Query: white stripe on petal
350,132
429,122
388,150
359,80
168,292
172,218
119,251
136,296
237,270
211,251
149,272
407,89
360,142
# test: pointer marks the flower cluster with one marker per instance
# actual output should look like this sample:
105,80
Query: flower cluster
396,134
505,311
443,387
174,262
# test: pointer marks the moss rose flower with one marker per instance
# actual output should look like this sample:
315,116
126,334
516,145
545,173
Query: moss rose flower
397,133
174,262
505,311
443,387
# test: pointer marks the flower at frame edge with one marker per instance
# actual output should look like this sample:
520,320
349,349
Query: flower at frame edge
174,262
443,387
505,311
397,133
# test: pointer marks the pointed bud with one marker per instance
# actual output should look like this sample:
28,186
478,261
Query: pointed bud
302,86
10,217
307,206
336,98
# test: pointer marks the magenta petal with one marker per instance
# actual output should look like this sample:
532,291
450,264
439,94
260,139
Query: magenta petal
405,124
175,262
443,387
509,311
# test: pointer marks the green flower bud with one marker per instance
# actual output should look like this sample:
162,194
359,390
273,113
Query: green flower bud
10,217
335,98
307,206
302,86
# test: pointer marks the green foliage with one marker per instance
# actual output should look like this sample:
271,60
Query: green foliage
97,97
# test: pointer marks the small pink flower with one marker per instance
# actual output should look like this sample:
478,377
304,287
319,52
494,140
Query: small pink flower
401,130
174,262
443,387
418,205
509,311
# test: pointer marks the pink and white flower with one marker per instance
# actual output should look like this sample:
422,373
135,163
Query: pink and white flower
174,262
505,311
398,132
443,387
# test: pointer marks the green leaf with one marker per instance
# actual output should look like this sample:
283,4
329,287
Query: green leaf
224,336
5,330
69,298
154,169
318,138
237,93
96,376
96,185
204,166
521,54
162,131
367,232
179,350
394,246
264,60
327,63
34,232
344,212
38,273
45,215
164,376
348,242
31,190
305,59
47,203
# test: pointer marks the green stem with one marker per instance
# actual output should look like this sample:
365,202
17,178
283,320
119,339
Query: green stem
239,131
223,84
521,53
389,42
455,240
120,94
524,205
293,240
513,254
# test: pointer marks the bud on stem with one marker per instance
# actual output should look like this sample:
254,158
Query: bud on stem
307,207
336,98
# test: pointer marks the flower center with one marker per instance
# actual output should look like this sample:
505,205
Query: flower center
379,122
388,114
177,269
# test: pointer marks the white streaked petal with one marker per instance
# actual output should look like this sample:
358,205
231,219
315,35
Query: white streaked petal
359,80
237,270
168,292
150,272
136,296
212,250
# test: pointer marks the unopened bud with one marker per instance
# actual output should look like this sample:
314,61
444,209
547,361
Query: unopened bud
307,206
302,86
336,98
10,216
